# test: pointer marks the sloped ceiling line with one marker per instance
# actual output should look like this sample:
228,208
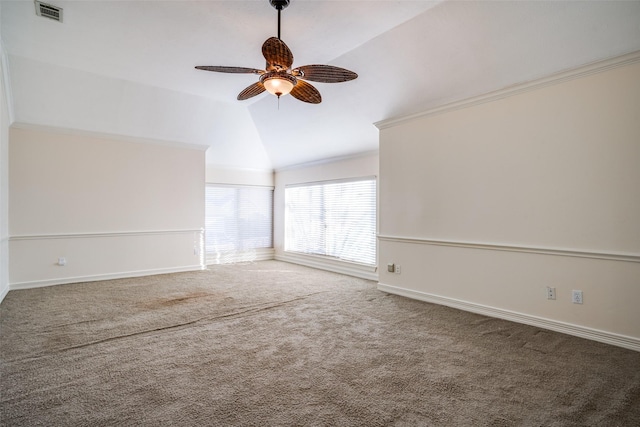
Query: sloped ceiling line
576,73
6,82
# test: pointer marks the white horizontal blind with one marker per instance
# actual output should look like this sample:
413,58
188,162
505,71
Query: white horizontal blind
336,219
238,221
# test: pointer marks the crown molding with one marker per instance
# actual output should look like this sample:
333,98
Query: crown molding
226,168
321,162
105,135
563,76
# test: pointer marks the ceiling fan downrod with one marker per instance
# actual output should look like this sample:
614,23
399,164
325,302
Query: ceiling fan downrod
279,5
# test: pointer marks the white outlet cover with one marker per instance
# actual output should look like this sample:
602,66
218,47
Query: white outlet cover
576,297
551,293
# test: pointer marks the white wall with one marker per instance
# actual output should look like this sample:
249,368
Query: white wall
365,165
5,120
485,206
111,207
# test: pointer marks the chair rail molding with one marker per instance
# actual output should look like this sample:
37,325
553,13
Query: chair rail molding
102,234
614,256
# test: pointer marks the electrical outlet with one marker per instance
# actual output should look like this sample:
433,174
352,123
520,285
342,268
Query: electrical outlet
62,261
397,269
576,297
551,293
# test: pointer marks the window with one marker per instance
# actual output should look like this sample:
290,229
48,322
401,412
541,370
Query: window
334,218
238,223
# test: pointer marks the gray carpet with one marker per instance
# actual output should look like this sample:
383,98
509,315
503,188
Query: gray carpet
270,344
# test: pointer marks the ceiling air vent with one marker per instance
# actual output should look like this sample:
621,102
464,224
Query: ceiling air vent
49,11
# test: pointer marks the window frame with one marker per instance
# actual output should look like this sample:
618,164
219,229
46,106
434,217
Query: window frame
331,257
238,254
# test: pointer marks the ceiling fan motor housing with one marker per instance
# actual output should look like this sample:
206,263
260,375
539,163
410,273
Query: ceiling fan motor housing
279,4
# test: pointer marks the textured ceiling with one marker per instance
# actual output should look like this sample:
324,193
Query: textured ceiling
126,67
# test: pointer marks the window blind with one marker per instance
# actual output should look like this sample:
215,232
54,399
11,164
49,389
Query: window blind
238,222
333,218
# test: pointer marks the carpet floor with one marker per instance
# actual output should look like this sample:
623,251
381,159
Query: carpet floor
276,344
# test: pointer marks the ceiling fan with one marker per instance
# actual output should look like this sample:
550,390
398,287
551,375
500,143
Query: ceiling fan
279,78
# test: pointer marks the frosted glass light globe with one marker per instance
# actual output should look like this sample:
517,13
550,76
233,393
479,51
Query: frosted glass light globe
278,85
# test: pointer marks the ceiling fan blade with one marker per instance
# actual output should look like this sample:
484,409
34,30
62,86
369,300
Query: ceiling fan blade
277,54
305,92
250,91
324,73
237,70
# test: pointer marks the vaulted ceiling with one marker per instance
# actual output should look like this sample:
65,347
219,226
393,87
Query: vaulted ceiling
127,67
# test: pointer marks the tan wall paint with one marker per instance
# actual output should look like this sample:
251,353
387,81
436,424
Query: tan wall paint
556,167
111,207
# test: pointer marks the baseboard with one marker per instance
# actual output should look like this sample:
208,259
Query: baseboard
234,257
98,277
4,293
321,263
630,343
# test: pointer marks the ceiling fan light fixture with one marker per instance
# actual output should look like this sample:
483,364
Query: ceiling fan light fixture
278,84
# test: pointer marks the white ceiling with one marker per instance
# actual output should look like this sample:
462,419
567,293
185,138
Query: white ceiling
127,67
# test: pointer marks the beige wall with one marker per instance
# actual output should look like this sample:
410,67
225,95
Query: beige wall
485,206
111,207
365,165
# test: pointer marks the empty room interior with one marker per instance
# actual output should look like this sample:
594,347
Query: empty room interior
302,212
